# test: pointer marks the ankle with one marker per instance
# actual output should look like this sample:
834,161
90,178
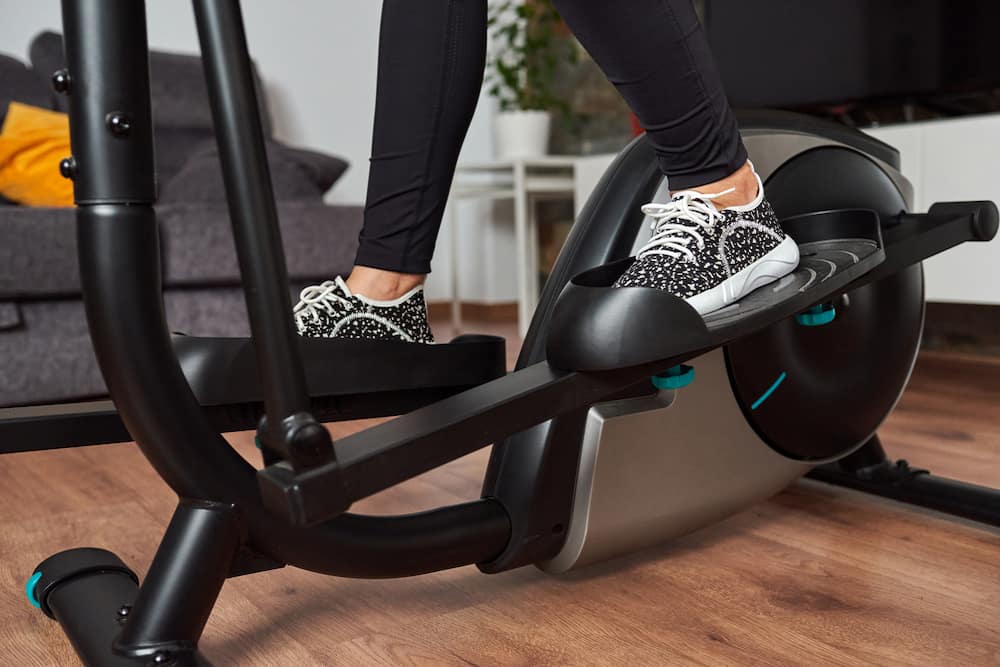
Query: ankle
743,183
381,285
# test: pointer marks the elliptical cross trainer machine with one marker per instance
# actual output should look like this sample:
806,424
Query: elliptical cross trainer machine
606,441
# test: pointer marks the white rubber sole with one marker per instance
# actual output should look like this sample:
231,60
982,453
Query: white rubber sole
774,265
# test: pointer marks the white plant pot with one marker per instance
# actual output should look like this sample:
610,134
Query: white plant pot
521,134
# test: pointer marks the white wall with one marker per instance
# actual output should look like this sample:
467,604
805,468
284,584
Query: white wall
318,60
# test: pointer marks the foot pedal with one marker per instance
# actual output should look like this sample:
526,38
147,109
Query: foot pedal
639,325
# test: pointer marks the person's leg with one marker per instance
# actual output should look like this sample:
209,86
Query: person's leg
430,73
718,238
656,54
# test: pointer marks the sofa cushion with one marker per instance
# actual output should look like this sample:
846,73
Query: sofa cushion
320,242
38,247
19,83
295,174
177,84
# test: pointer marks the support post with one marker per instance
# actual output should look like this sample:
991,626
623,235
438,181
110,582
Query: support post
289,429
184,580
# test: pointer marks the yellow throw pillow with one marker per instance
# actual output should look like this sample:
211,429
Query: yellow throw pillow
32,142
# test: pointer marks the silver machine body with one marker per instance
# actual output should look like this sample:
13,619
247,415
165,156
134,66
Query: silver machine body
655,468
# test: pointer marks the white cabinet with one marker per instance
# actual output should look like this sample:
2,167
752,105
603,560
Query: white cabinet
954,160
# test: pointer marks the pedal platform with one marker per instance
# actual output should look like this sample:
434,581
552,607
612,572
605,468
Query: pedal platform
826,265
347,378
638,325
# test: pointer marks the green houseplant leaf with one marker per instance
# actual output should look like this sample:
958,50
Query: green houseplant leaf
528,47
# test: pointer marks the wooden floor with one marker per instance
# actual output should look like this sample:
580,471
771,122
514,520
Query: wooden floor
814,576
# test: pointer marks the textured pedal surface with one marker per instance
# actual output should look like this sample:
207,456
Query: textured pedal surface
820,262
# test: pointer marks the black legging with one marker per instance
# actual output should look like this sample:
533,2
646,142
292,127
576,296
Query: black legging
430,72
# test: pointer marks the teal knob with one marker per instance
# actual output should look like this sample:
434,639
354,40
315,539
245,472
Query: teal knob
675,378
817,316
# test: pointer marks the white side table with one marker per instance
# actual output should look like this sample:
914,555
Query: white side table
525,181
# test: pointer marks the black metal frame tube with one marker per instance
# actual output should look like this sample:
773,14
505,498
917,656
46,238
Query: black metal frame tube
869,470
386,454
969,501
86,590
184,580
110,117
87,609
240,136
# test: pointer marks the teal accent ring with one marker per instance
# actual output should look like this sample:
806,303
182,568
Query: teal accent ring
29,590
817,316
256,441
675,378
770,390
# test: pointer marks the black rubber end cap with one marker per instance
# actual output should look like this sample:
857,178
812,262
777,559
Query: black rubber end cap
72,564
983,216
301,499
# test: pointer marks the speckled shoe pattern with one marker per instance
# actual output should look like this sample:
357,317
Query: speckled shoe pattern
330,310
710,257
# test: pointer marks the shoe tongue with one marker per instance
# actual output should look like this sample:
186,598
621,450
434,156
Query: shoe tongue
694,195
343,287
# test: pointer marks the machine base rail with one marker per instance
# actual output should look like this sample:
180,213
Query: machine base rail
39,427
899,481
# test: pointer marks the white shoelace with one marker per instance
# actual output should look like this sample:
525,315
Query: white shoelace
314,298
676,223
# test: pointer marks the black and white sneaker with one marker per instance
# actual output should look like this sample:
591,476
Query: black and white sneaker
330,310
711,257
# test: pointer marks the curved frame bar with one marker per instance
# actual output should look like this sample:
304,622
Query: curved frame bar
119,265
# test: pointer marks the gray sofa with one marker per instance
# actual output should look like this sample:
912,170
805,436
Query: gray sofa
45,353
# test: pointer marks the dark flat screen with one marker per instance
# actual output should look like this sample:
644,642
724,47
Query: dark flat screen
789,53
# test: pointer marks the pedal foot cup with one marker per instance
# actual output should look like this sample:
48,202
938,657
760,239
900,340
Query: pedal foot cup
817,316
676,377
